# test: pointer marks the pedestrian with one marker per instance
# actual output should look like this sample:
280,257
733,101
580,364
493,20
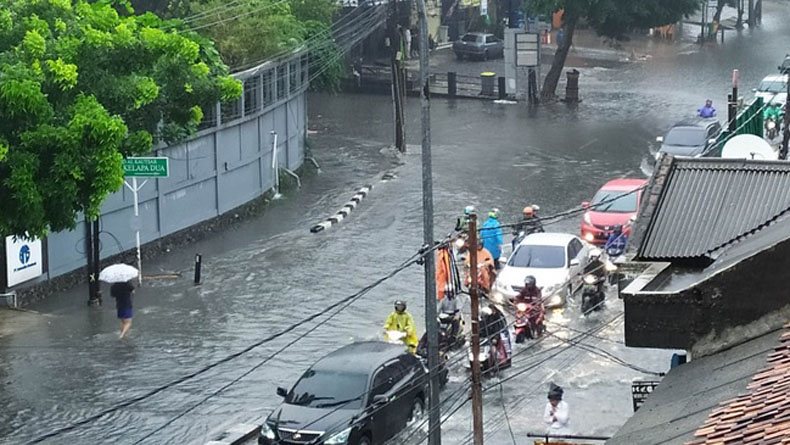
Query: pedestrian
491,234
556,414
122,292
415,42
707,111
407,41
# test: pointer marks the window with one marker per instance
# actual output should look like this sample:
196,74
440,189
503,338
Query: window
490,39
268,87
472,38
713,131
252,90
303,69
685,136
325,388
772,85
575,248
282,79
615,201
384,380
540,257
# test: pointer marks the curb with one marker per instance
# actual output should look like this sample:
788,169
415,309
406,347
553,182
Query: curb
344,212
237,434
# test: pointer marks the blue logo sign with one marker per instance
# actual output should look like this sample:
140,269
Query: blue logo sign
24,254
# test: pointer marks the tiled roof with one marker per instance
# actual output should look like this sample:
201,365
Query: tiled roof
761,416
694,208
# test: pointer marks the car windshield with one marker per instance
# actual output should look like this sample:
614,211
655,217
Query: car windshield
541,257
772,86
470,38
685,137
614,201
328,388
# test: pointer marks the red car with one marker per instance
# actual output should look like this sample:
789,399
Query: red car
600,219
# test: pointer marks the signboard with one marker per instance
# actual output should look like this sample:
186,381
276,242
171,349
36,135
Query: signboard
527,49
146,167
641,390
23,259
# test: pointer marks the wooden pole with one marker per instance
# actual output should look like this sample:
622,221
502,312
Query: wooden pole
477,388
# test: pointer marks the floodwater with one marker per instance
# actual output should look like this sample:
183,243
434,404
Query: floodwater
268,272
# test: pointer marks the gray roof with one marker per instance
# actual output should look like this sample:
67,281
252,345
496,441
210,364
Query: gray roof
698,207
363,356
687,394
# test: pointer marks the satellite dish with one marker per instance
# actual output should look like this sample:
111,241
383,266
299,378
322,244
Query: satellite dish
749,146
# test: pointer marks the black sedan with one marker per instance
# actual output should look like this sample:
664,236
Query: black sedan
692,138
361,394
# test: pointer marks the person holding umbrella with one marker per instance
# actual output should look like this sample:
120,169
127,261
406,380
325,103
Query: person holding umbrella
120,276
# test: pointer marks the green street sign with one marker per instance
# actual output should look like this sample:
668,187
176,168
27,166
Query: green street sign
146,167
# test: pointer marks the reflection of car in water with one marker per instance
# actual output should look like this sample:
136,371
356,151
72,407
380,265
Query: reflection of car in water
480,45
332,401
615,204
690,138
556,260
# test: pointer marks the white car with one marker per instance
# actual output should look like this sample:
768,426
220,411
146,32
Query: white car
771,87
556,260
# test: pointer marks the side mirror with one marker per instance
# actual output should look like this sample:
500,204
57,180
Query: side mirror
503,260
712,140
586,205
282,392
380,399
660,139
754,90
574,262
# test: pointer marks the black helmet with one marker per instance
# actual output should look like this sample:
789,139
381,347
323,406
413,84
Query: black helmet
555,392
400,305
618,228
529,281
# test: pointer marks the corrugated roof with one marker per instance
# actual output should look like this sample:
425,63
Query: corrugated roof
704,205
760,416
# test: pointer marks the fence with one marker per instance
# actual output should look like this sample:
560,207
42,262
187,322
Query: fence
747,121
227,163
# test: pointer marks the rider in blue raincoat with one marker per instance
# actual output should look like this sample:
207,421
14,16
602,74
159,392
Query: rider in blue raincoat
491,234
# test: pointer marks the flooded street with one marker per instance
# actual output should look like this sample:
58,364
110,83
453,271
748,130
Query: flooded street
264,274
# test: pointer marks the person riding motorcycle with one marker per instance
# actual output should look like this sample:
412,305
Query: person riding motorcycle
707,111
486,270
491,234
462,223
775,112
402,321
529,224
595,266
451,306
494,328
532,296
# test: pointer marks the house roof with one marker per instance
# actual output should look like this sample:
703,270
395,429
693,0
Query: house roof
762,414
696,208
689,394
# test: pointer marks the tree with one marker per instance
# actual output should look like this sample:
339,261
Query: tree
81,86
610,18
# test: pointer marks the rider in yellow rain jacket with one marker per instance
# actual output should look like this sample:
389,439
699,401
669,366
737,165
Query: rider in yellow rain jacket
401,321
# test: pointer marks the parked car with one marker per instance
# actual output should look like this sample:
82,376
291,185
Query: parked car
691,138
600,219
361,394
479,45
784,68
556,260
771,86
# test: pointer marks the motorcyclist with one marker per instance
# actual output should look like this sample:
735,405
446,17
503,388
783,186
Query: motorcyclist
532,296
615,244
491,234
707,111
486,271
530,223
775,112
451,306
595,266
493,326
462,223
402,321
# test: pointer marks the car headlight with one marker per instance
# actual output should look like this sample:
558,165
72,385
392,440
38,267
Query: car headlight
267,432
340,438
589,237
587,218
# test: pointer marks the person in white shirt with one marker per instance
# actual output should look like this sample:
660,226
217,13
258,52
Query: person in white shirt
556,415
407,39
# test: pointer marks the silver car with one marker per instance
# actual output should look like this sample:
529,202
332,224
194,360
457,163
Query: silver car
480,45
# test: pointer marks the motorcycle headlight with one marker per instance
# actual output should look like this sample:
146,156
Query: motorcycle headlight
522,307
267,432
589,279
555,301
771,125
587,218
340,438
459,243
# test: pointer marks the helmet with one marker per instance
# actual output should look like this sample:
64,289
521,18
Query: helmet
528,211
468,210
595,253
494,213
400,305
555,392
529,281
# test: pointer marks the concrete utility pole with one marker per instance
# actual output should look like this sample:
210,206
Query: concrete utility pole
398,83
434,415
786,135
752,19
477,388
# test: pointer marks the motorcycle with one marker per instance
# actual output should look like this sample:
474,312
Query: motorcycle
529,322
495,353
451,335
592,294
771,128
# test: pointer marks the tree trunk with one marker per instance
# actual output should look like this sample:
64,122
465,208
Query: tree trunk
719,9
557,65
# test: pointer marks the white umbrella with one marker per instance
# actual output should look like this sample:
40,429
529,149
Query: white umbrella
118,273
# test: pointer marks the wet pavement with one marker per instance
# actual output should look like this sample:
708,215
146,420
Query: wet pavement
263,274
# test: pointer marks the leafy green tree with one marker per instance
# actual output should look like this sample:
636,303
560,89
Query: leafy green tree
81,86
610,18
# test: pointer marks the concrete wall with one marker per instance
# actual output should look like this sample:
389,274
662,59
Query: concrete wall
227,163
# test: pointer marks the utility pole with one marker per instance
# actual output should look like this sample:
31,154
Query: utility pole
739,21
786,135
397,77
752,18
477,388
434,415
702,16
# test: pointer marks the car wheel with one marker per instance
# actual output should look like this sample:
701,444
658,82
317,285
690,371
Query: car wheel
364,440
417,411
